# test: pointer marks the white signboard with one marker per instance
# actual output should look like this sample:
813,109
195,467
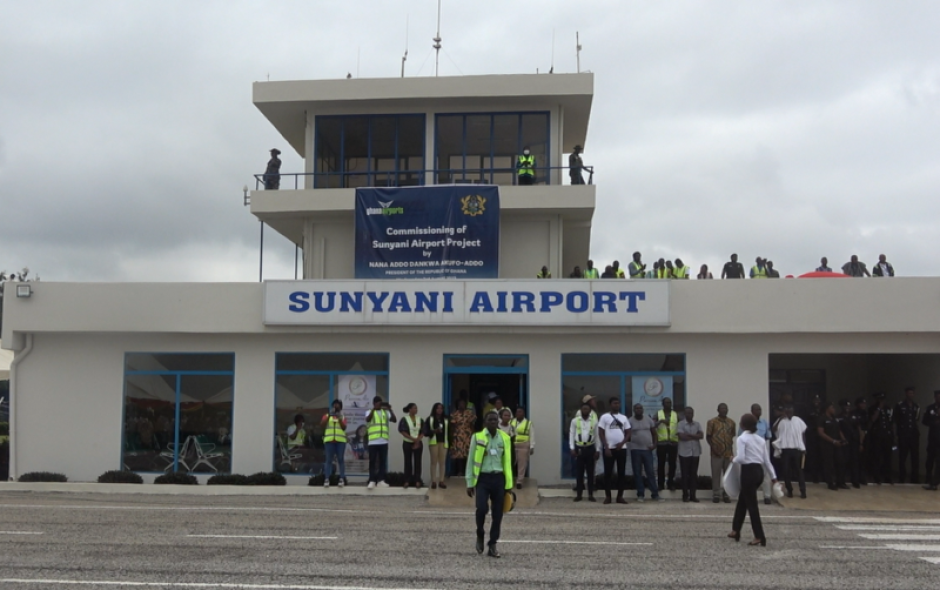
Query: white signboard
601,302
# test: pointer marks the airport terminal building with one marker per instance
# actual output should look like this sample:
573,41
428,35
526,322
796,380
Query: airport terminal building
420,250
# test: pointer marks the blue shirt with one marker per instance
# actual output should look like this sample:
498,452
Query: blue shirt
763,429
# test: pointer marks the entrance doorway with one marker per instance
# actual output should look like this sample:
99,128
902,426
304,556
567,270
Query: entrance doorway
479,376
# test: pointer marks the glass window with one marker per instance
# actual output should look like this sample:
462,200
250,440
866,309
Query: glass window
369,150
449,147
178,412
632,378
305,386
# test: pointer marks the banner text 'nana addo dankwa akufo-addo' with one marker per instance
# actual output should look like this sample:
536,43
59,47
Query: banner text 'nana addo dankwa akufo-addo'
447,302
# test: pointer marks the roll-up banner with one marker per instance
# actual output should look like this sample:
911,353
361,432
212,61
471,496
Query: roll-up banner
427,232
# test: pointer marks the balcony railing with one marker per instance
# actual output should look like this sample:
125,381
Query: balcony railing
395,178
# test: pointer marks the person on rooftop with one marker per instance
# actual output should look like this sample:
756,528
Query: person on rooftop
854,268
608,273
576,165
576,273
681,270
823,265
590,272
883,268
636,268
703,273
771,272
544,274
272,174
618,272
733,269
759,270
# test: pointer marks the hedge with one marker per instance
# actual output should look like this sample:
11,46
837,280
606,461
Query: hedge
120,477
177,478
42,476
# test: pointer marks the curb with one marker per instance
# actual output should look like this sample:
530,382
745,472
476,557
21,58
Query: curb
204,490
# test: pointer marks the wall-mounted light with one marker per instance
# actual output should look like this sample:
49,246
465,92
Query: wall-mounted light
24,290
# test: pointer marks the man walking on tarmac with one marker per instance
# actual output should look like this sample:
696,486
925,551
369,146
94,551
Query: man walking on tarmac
489,477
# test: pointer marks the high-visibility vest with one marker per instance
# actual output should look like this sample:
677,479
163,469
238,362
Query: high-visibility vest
526,165
577,429
543,276
682,272
667,432
591,273
619,273
758,273
298,441
522,429
482,439
378,425
414,426
432,437
662,273
636,270
334,431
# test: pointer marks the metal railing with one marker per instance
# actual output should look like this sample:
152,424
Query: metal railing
396,178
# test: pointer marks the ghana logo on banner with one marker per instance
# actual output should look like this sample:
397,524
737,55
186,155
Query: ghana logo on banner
427,232
473,205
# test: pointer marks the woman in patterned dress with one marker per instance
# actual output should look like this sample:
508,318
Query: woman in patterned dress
462,422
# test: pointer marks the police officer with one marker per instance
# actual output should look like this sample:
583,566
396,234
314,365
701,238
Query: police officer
832,442
525,167
932,421
489,477
861,415
850,423
906,418
880,439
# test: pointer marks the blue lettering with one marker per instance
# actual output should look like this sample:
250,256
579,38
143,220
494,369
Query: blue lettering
448,302
377,299
550,299
632,297
399,302
523,298
581,305
605,298
318,300
501,301
481,302
350,301
300,303
426,301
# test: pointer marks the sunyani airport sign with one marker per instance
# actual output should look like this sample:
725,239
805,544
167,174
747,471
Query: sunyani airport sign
603,302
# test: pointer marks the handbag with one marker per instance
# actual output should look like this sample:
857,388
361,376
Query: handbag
732,480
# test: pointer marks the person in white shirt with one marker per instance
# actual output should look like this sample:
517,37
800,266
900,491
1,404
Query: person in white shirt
754,460
582,440
790,431
613,430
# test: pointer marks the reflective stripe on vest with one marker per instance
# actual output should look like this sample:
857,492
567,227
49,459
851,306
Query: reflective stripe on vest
527,167
522,429
414,426
543,276
670,432
482,439
578,430
378,425
758,273
432,438
591,273
298,441
334,431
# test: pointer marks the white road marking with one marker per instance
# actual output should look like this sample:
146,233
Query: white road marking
935,560
20,532
901,537
886,527
875,520
866,547
569,542
913,547
259,537
50,582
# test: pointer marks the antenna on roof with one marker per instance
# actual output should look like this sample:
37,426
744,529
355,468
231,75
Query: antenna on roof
404,58
437,39
577,49
551,70
358,51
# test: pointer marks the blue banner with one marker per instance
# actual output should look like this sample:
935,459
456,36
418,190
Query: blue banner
427,232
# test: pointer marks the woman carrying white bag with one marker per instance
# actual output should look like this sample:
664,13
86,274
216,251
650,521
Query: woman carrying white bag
754,460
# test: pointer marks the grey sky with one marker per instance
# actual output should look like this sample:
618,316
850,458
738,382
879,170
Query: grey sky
789,130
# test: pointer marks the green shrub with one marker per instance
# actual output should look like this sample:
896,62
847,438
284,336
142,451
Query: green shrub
233,479
395,479
178,478
120,477
42,476
266,478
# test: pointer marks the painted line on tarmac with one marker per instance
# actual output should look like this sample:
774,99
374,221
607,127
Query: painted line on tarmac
914,547
876,520
50,582
935,560
900,537
568,542
20,532
261,537
186,508
886,527
854,547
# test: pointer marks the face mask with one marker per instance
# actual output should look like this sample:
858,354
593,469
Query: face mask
525,152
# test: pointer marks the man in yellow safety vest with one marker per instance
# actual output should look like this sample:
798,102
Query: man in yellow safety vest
334,443
759,270
667,444
523,445
525,167
377,420
489,478
681,271
590,272
544,274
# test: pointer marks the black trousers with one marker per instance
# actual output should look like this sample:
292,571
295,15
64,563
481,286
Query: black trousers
833,464
689,476
664,454
790,461
853,463
752,476
879,458
585,465
526,180
617,457
490,495
412,462
378,461
908,446
932,476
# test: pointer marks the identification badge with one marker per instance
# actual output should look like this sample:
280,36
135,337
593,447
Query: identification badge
494,452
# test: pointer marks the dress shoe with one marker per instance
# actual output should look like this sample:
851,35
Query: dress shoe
578,498
622,501
789,493
761,542
686,500
518,486
493,552
695,500
480,545
442,485
606,500
803,495
832,487
592,499
736,535
716,500
931,488
767,501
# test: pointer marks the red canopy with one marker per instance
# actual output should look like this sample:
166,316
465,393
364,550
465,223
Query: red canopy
824,275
